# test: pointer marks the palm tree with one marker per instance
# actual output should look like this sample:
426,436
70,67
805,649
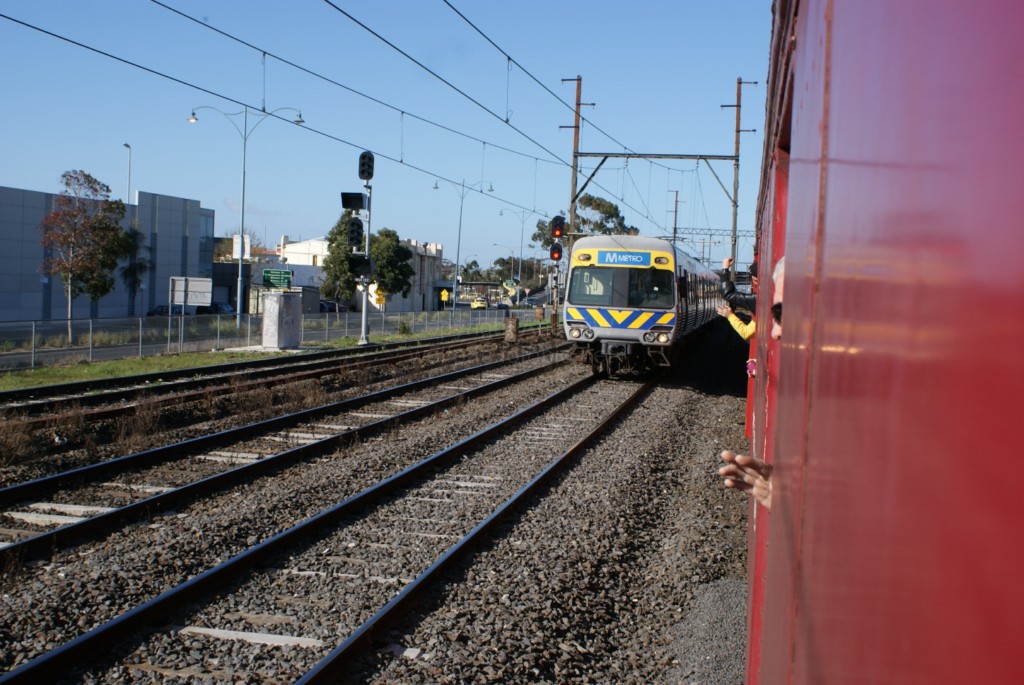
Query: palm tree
137,266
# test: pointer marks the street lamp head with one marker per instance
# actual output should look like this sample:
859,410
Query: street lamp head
127,146
491,188
435,184
298,119
193,119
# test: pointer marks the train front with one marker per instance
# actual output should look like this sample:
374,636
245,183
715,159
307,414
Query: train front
621,303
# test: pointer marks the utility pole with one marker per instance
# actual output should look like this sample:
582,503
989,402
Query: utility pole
736,168
575,158
675,218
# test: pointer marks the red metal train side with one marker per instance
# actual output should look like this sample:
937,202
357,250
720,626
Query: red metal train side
892,184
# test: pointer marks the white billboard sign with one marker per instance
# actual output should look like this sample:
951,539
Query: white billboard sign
186,290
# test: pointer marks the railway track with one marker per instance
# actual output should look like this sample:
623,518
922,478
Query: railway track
116,396
476,485
70,507
71,433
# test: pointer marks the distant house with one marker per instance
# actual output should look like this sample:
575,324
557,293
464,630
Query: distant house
426,266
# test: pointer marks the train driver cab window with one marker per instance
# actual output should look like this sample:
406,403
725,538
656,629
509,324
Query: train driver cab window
604,286
650,288
591,286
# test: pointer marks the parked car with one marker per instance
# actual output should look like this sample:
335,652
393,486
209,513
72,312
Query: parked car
501,305
328,306
478,303
216,308
162,310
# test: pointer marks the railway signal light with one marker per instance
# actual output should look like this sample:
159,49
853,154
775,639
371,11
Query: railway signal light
355,232
360,265
556,252
557,227
366,165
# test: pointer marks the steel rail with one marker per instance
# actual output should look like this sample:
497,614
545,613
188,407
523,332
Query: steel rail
195,382
88,646
23,394
332,667
44,544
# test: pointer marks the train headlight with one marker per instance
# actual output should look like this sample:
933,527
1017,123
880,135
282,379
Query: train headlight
574,332
649,336
588,334
663,338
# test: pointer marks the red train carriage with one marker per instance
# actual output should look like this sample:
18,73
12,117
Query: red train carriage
892,184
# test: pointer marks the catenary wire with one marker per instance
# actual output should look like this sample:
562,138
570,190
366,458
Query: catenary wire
255,108
397,109
327,79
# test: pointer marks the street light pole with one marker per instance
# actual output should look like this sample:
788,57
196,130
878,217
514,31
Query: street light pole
244,132
512,254
128,193
240,285
461,189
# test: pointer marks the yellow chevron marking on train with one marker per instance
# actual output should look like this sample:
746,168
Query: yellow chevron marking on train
574,313
601,321
620,315
641,319
665,318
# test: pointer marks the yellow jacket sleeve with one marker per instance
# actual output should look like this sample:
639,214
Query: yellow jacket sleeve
746,330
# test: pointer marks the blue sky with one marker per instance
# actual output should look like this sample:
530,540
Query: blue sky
658,72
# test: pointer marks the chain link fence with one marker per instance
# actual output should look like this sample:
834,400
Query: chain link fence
31,344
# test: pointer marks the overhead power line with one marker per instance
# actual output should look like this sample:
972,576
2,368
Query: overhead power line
327,79
473,100
513,60
442,79
255,108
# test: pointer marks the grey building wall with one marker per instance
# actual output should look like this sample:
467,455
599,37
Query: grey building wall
178,241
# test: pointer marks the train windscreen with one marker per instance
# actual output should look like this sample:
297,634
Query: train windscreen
604,286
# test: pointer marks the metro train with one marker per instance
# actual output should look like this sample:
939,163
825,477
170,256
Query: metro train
891,183
631,301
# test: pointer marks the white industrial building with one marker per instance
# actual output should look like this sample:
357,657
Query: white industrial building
178,241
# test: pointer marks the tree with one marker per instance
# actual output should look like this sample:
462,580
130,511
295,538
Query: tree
471,271
82,238
392,270
594,216
598,216
339,281
137,266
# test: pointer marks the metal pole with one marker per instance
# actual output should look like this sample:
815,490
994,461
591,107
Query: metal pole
366,253
675,218
522,229
458,247
128,193
241,224
575,158
735,181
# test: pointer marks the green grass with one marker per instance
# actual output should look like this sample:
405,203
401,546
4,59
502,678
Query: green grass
85,371
56,375
351,341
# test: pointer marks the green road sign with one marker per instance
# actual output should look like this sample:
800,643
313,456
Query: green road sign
277,278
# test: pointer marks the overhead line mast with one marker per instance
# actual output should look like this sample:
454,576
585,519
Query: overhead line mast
733,197
575,156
